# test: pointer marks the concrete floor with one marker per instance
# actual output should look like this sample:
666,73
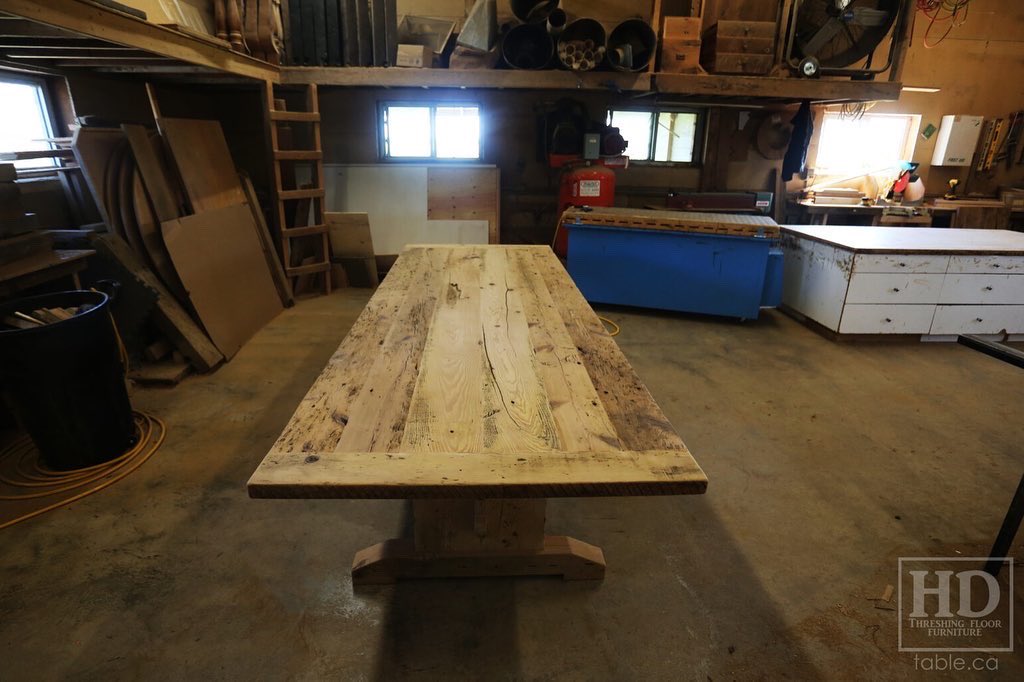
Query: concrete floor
827,461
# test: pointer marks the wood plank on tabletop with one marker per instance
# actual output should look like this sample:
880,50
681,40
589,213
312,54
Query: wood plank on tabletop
377,418
638,420
580,418
321,417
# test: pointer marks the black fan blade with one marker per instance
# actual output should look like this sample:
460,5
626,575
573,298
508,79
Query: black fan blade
823,37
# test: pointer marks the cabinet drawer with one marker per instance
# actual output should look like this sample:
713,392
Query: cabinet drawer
721,62
744,29
871,262
987,289
743,45
978,319
886,319
909,288
987,264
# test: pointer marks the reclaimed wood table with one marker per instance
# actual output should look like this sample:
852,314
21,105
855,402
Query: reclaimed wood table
477,383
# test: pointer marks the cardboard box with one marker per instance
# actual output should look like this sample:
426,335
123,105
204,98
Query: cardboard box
680,56
415,56
681,28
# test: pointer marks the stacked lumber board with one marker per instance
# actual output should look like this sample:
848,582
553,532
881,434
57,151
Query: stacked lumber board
677,221
182,223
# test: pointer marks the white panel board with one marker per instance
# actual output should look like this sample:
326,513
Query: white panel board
395,197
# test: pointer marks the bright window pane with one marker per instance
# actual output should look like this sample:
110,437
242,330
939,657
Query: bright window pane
458,132
407,132
23,122
872,143
676,137
635,128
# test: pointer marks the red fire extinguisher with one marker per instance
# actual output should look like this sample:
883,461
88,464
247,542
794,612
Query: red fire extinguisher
582,185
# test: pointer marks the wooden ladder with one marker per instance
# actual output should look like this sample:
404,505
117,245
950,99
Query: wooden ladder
294,225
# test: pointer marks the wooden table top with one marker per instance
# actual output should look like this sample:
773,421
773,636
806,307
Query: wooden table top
913,240
477,372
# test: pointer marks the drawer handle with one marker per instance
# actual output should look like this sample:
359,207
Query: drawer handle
888,319
978,319
995,265
895,290
988,288
903,265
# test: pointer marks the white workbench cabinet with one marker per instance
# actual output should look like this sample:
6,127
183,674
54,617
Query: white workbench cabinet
892,280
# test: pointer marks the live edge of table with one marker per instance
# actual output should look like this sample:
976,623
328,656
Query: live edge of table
477,383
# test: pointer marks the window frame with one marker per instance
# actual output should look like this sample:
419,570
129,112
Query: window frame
699,133
49,118
913,123
382,142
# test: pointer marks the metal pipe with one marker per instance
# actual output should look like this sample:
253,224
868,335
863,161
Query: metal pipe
583,34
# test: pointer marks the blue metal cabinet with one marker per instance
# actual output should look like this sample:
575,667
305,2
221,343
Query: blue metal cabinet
669,270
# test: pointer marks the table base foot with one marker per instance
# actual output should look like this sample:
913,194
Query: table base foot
393,560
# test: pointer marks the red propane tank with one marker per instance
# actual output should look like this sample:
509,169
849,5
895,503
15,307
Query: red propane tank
585,185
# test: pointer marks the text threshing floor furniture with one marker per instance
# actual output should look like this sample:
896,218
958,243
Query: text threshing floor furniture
477,382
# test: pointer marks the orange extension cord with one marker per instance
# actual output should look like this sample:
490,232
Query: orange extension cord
43,482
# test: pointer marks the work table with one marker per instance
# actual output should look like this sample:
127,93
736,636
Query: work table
477,382
939,283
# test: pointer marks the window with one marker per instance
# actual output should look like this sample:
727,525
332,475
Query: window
874,142
431,131
25,120
659,136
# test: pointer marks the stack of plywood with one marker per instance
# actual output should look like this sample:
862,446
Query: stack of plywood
183,225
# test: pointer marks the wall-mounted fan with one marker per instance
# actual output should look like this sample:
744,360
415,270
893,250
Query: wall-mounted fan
840,37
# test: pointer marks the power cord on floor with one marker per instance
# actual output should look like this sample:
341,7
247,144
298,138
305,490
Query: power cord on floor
29,473
614,331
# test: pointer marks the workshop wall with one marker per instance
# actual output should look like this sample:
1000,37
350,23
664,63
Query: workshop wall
529,187
977,69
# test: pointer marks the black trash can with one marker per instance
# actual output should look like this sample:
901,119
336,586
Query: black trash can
65,381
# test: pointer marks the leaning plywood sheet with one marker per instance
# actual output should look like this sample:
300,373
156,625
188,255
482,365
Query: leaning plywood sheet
676,221
218,256
94,148
201,155
477,372
352,247
169,316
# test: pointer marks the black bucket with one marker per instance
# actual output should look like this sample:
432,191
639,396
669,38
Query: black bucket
528,46
65,381
533,11
631,45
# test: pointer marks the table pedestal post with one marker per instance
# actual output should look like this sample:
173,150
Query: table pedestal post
475,538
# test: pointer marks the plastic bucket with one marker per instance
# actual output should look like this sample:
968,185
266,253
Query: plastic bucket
65,381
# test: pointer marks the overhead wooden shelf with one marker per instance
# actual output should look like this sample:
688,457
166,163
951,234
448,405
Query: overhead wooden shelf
776,88
705,86
75,34
454,78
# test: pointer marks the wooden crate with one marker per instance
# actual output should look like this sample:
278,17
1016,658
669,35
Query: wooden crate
739,47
